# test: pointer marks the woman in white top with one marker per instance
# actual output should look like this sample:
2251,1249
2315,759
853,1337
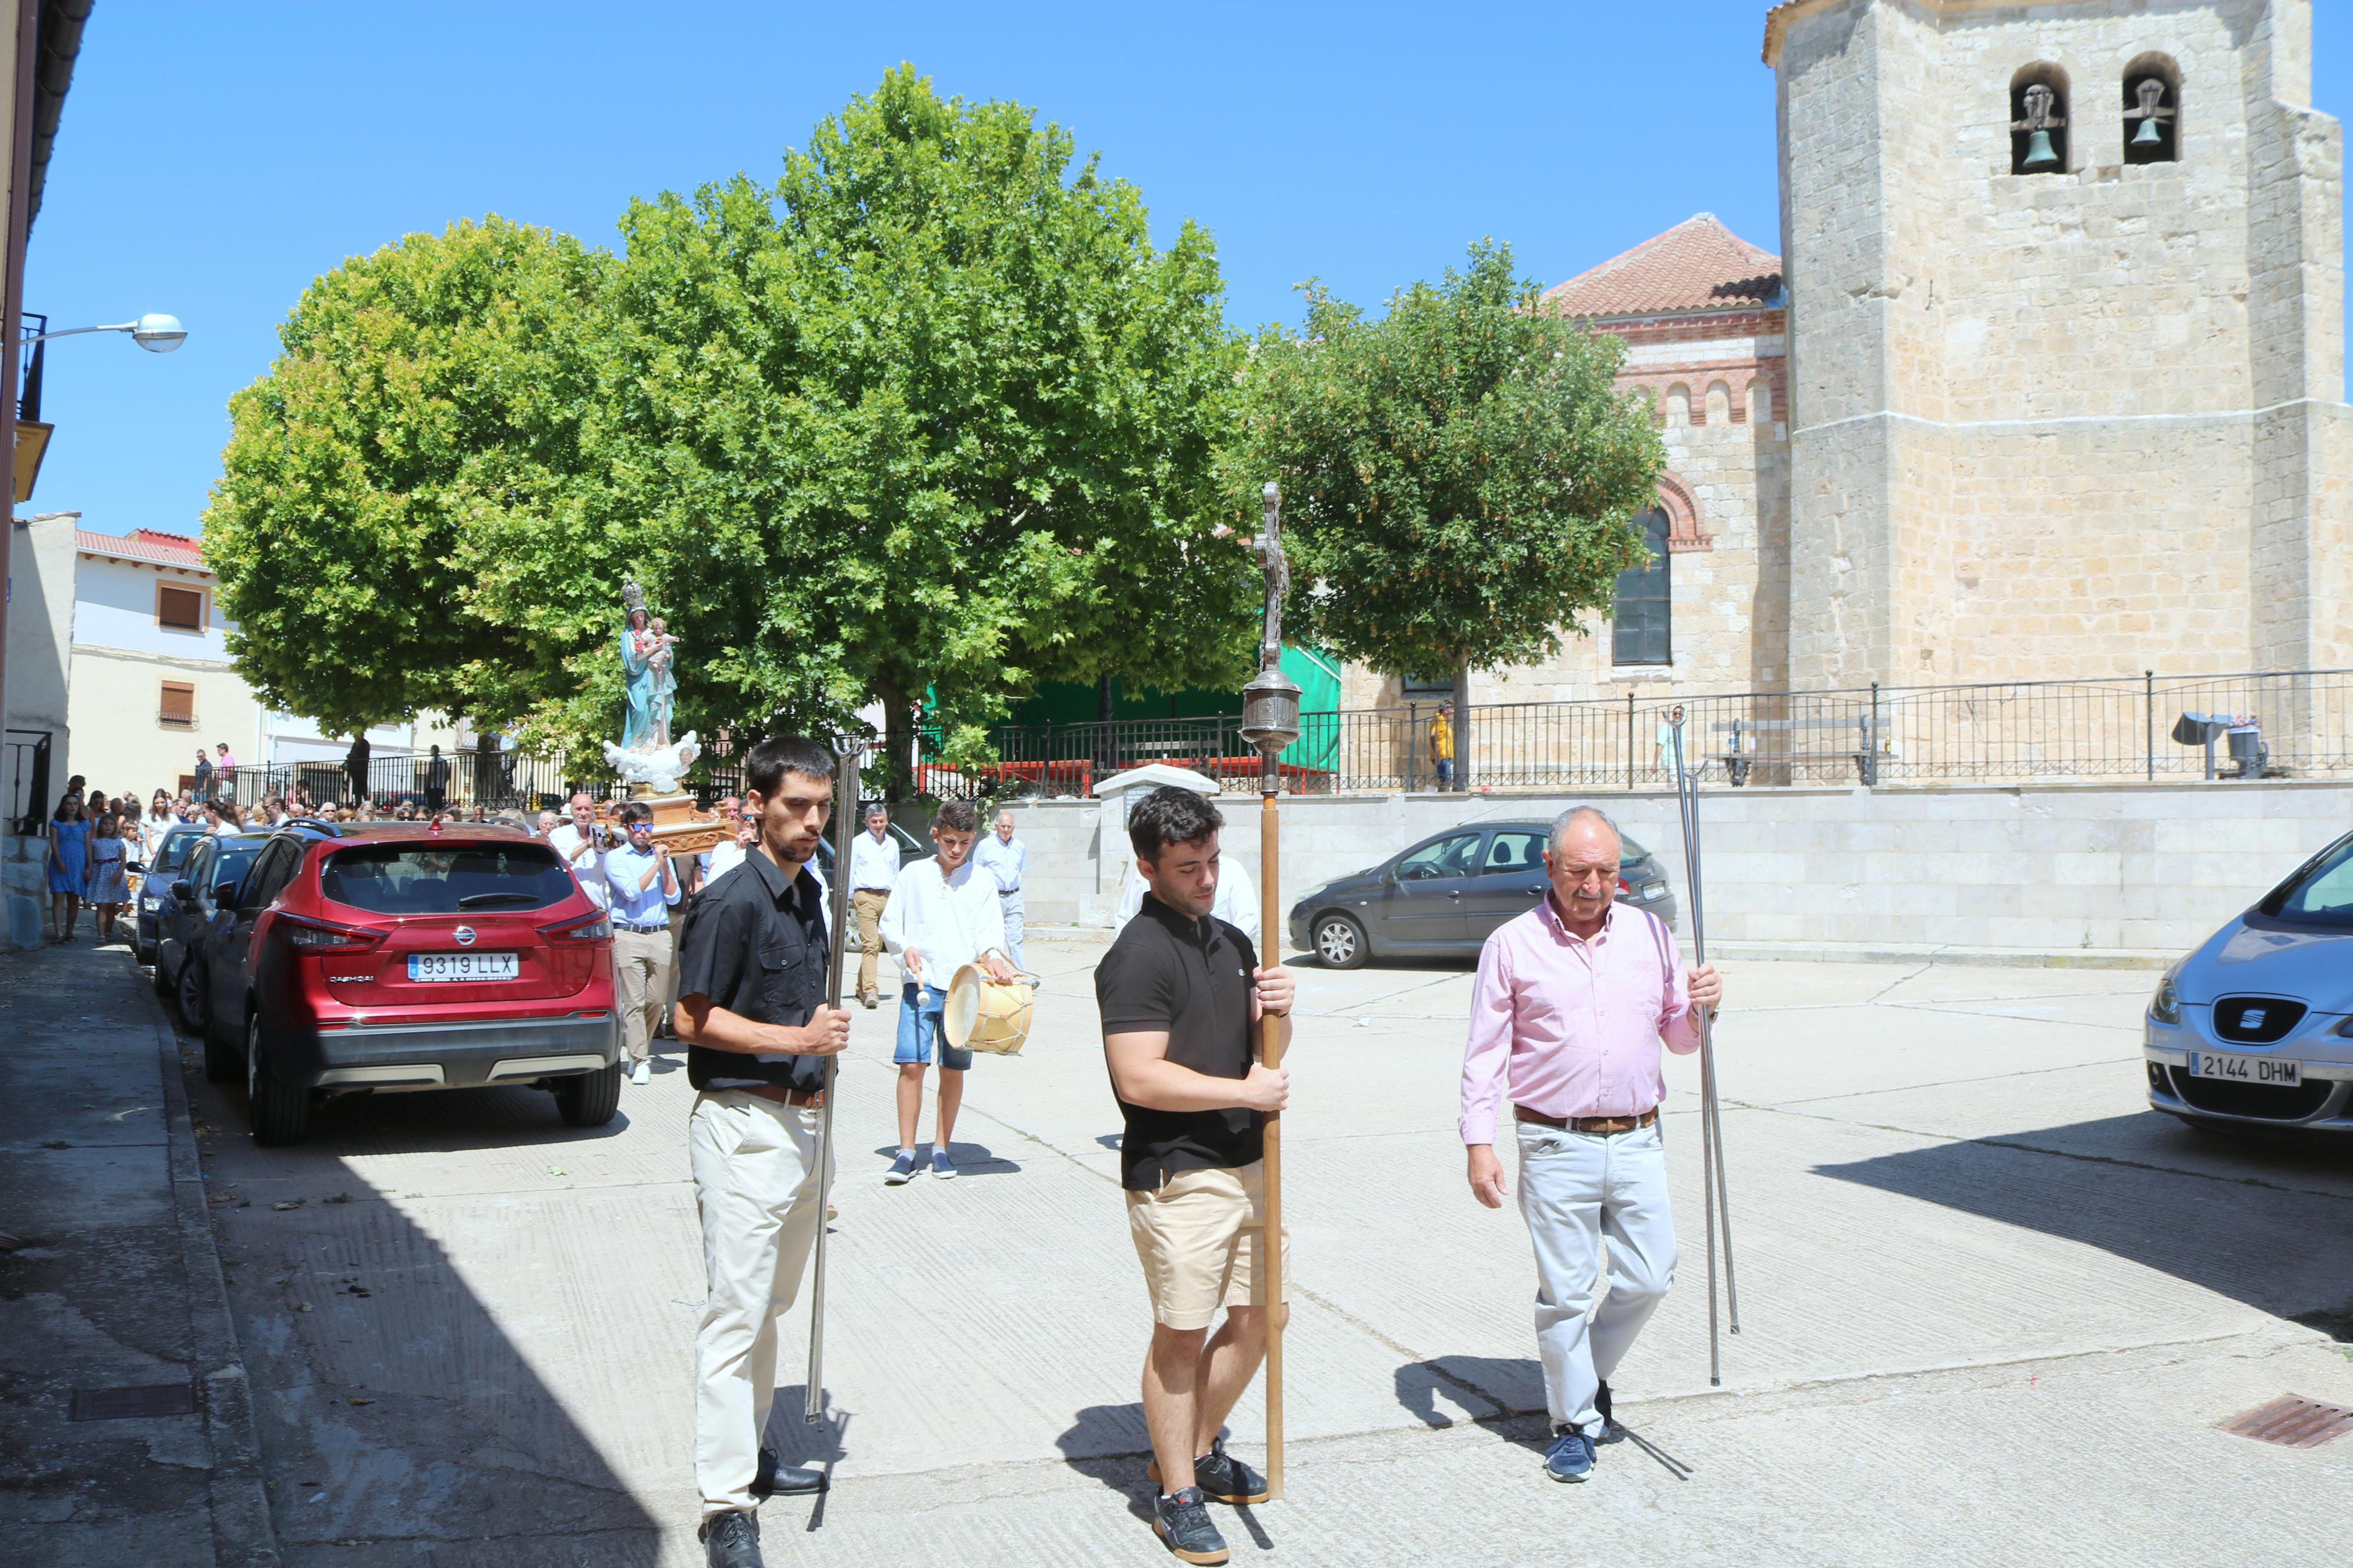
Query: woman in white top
108,888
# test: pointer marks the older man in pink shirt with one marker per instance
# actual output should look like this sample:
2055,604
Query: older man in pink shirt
1572,1002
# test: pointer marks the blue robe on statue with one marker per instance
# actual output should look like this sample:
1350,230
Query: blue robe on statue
637,727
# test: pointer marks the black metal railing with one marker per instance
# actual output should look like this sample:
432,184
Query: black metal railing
2293,724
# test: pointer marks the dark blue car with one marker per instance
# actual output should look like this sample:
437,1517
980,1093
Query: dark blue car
164,867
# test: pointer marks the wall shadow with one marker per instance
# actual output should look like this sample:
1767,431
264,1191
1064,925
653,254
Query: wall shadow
2242,1218
397,1419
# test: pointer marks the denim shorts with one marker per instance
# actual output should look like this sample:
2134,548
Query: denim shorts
918,1025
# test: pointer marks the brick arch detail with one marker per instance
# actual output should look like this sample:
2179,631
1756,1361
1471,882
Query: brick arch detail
1683,532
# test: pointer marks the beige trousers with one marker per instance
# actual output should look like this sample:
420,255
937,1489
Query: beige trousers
641,966
755,1188
869,903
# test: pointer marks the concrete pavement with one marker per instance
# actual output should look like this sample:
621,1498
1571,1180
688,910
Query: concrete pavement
1992,1309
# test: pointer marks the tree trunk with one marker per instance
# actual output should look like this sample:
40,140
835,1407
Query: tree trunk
898,741
1461,727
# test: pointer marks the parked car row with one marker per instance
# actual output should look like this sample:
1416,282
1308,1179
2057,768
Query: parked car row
321,960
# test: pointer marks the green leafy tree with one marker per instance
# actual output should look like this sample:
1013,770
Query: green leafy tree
420,391
930,419
1459,476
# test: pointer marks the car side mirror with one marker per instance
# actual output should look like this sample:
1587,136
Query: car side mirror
136,868
224,893
184,889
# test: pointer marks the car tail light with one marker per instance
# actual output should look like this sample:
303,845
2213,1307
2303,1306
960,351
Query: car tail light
325,936
1623,889
599,928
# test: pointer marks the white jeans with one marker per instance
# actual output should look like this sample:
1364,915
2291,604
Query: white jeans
756,1186
1011,905
1576,1188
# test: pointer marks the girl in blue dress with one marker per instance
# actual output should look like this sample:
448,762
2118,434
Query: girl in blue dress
68,865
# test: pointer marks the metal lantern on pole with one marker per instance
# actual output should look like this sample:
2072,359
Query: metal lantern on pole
1271,723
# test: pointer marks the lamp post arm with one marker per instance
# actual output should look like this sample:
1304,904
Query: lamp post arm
76,332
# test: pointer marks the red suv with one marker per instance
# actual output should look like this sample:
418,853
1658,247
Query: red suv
396,955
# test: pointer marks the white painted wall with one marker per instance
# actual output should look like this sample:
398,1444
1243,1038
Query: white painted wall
114,607
2153,866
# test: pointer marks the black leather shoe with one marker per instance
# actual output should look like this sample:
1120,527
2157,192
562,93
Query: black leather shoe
1221,1476
1611,1431
775,1479
731,1539
1182,1523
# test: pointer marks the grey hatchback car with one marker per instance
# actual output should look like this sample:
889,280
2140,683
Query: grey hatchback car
2255,1028
1444,896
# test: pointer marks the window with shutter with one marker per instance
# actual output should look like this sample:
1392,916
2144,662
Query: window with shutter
179,609
177,707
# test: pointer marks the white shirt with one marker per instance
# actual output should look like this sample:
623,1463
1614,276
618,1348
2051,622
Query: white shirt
1236,904
720,859
580,854
1004,860
873,864
949,920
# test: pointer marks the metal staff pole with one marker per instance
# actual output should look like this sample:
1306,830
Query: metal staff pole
1688,815
1713,1121
1271,722
847,750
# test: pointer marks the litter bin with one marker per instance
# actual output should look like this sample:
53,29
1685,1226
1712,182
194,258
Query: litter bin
2248,750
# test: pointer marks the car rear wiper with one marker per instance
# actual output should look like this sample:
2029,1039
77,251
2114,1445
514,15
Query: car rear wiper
483,901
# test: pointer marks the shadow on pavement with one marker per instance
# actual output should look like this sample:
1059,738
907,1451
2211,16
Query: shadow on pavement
2240,1217
1513,1384
971,1159
1109,1443
398,1418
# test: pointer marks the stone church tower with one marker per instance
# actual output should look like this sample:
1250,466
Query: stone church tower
2066,340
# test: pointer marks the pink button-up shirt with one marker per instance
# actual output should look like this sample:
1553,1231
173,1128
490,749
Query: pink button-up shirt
1575,1023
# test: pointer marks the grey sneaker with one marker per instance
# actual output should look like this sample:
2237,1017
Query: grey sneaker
731,1539
942,1166
1221,1477
1182,1523
901,1171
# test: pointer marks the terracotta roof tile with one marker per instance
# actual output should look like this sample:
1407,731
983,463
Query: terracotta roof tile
144,544
1698,265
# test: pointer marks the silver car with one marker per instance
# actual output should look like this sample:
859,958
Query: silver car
2255,1028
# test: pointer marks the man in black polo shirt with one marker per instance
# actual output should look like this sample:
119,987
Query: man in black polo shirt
1178,992
751,1008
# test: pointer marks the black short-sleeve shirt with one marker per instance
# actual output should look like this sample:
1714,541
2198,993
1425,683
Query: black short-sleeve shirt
756,945
1192,978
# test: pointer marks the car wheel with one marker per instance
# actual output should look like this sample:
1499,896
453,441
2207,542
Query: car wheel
221,1063
588,1098
161,981
280,1111
188,994
1340,942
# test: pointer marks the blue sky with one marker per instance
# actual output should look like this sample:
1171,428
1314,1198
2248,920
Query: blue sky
215,158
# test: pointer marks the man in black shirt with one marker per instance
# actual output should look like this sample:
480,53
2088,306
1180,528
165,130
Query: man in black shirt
751,1007
1178,992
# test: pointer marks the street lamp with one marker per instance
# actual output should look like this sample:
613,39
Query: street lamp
154,331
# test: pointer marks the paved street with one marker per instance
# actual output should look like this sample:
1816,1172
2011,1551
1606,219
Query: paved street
1991,1310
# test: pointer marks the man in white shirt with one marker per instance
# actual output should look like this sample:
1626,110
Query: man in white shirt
873,872
582,843
1237,901
1005,858
726,855
641,888
941,915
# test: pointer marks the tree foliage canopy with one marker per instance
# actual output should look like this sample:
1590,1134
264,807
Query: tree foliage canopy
419,389
1458,476
931,413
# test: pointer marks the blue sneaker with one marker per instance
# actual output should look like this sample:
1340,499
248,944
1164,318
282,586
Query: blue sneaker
901,1171
942,1166
1570,1457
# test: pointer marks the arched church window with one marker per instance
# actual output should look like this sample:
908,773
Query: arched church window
1719,403
1760,403
2038,121
1642,612
1678,405
2152,110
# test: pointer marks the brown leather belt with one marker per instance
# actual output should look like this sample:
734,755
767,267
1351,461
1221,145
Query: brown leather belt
807,1099
1603,1124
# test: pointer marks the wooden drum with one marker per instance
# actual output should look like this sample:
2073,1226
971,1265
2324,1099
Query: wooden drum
982,1015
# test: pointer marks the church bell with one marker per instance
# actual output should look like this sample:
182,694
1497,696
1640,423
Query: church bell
2040,153
2147,136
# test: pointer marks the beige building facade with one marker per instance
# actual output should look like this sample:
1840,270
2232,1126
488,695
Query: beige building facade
2048,384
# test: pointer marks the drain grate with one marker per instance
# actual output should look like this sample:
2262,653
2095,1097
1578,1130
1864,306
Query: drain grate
2292,1423
123,1403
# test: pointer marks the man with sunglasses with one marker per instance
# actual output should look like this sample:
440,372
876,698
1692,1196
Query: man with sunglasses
1572,1000
642,886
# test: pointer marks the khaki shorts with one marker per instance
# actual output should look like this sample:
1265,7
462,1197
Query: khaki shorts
1198,1238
